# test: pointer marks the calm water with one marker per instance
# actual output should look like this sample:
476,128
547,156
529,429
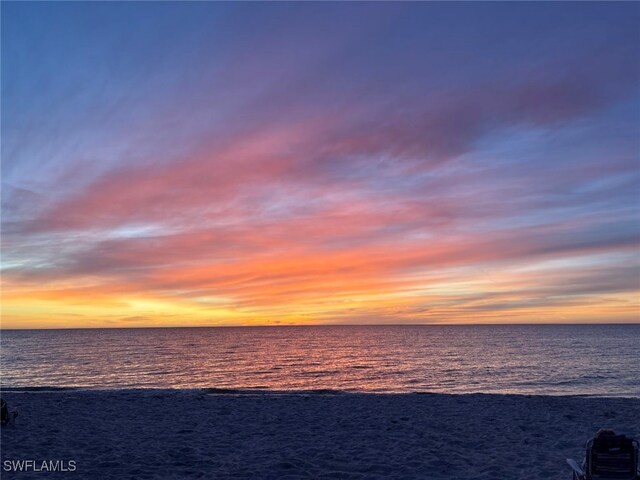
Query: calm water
554,359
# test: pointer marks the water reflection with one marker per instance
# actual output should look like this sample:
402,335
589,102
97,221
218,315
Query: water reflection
500,359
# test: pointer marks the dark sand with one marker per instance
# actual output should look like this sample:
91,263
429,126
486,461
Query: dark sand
163,434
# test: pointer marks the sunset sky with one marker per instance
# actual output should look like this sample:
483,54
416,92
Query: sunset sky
236,164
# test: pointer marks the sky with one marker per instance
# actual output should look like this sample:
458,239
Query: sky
189,164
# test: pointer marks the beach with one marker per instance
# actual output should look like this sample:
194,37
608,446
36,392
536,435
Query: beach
318,240
225,434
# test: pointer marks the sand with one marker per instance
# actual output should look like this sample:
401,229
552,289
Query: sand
164,434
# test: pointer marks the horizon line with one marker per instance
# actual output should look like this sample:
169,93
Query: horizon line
328,325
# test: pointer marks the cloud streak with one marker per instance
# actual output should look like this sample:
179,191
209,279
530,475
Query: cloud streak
383,173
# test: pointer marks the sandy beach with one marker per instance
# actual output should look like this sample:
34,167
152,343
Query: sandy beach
149,434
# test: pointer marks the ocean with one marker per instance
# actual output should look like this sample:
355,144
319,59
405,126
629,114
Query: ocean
596,360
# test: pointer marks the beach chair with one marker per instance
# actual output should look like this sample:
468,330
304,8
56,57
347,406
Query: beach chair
6,417
609,457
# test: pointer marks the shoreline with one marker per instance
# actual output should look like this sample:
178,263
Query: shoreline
258,391
160,433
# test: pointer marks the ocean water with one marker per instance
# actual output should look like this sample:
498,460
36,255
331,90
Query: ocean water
601,360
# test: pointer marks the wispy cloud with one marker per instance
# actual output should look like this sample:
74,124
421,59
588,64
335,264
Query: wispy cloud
308,163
